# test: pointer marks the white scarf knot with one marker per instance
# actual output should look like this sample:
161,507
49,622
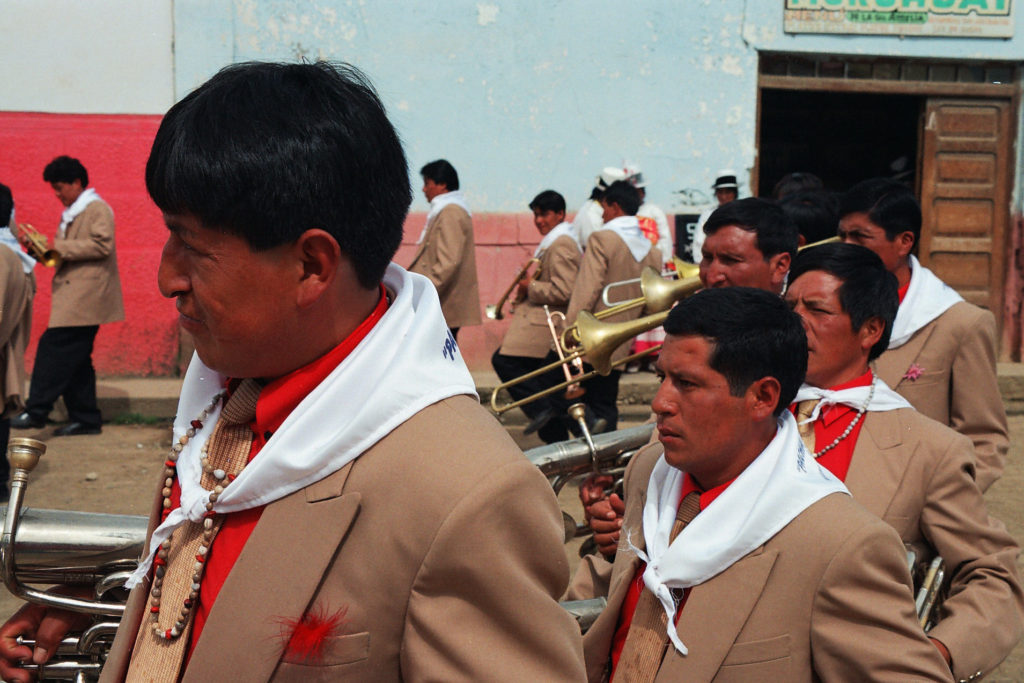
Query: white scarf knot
439,202
407,362
883,399
777,486
628,228
562,229
927,298
87,197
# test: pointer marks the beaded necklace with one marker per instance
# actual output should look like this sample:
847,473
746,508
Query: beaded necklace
849,428
209,528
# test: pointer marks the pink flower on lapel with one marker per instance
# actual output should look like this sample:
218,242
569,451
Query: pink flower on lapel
304,638
913,372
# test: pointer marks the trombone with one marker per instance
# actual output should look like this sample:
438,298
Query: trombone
37,248
681,269
493,311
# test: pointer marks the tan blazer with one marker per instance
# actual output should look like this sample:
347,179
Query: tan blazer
956,354
529,335
607,259
826,599
447,255
87,287
16,291
442,544
918,476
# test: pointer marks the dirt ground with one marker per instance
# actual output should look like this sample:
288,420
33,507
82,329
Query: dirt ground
116,472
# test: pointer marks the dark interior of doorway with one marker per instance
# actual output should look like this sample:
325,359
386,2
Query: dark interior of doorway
841,137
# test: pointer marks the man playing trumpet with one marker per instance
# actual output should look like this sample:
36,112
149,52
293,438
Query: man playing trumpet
527,344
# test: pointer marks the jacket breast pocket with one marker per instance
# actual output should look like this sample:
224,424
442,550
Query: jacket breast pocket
341,655
757,660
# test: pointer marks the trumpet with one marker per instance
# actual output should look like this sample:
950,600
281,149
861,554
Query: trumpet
493,311
37,248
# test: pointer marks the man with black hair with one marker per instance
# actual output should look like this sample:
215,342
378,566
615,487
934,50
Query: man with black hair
741,557
913,472
447,252
336,504
618,251
17,287
589,218
815,214
942,353
86,294
749,243
527,344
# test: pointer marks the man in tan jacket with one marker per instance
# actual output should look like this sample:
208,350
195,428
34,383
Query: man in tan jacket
743,559
357,514
528,342
86,294
942,354
617,251
447,252
913,472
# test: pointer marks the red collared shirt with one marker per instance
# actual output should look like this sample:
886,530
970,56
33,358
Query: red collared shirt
902,291
276,401
831,423
637,586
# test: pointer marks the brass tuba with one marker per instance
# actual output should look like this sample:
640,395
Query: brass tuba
37,247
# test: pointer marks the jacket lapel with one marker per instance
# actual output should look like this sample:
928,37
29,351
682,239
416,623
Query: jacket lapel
725,601
892,365
877,468
291,540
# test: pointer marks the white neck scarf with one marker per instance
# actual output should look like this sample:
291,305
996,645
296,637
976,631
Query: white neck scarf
7,238
927,298
783,481
439,202
883,399
407,362
628,228
559,230
87,197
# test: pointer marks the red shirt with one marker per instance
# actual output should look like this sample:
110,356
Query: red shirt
902,291
276,401
637,586
833,421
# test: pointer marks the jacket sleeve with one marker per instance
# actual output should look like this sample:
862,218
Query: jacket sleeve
449,242
94,239
484,602
975,404
590,282
863,626
982,616
563,264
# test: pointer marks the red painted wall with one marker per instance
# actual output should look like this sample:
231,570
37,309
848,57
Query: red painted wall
114,149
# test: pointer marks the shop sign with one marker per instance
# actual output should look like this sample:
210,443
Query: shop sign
946,18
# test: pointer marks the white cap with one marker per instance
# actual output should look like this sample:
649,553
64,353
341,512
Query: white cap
634,174
726,180
609,175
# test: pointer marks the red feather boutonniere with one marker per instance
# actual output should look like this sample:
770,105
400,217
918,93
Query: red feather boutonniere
913,372
304,638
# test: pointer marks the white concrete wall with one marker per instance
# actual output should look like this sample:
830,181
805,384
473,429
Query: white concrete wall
97,56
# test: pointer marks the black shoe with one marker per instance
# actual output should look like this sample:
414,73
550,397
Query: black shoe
27,421
538,422
77,429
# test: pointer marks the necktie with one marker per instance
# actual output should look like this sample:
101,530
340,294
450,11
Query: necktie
154,658
804,409
645,643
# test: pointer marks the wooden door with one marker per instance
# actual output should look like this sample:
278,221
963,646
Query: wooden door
965,195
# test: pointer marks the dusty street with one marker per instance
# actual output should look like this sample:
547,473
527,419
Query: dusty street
116,472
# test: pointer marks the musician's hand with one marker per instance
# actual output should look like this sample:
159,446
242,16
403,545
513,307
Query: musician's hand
46,625
605,520
594,489
943,650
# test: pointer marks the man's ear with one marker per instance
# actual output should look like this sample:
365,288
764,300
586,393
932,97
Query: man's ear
870,332
904,243
763,397
320,257
778,266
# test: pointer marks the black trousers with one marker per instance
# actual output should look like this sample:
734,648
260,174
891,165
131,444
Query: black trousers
510,367
63,367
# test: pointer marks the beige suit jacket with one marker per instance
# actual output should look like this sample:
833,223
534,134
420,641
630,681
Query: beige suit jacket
607,259
87,287
447,255
442,544
529,335
956,354
917,475
16,291
826,599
